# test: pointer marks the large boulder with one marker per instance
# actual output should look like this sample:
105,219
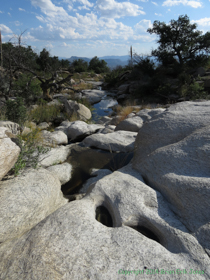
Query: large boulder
130,124
78,130
171,126
122,141
134,122
180,171
54,138
77,109
26,200
73,108
172,152
63,126
94,95
123,89
9,152
144,237
13,127
43,125
147,114
62,171
55,156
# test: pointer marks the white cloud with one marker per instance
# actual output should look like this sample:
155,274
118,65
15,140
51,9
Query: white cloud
156,4
5,29
203,21
9,14
143,25
22,10
1,12
17,23
159,15
67,1
143,0
193,4
113,9
58,25
41,18
83,8
49,9
49,46
70,7
84,2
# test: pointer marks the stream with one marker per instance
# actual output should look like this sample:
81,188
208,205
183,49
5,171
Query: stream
84,159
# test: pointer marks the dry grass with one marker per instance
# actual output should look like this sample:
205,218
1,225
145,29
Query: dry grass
82,86
124,111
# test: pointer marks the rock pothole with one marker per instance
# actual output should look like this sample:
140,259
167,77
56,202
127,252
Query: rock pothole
146,232
103,216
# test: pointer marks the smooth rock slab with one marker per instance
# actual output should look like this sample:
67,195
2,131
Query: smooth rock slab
71,244
26,200
173,155
181,172
122,141
171,126
97,175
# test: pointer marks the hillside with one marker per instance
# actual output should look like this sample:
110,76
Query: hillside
112,61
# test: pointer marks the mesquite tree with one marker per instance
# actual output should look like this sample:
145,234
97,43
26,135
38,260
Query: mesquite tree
180,41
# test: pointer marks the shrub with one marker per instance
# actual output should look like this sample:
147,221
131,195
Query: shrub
144,65
16,111
193,91
27,86
31,148
45,113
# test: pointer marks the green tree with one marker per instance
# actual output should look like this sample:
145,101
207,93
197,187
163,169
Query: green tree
47,62
79,65
97,65
180,40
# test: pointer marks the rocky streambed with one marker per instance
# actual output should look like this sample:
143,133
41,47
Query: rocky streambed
148,218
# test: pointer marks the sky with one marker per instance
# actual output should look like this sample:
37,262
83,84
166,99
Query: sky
89,28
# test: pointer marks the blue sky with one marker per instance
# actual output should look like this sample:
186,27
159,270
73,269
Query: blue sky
88,28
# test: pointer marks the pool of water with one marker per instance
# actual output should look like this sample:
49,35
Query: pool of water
83,159
103,108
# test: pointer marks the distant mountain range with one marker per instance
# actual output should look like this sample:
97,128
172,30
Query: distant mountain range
112,61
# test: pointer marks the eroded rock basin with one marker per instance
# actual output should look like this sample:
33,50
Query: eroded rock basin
84,159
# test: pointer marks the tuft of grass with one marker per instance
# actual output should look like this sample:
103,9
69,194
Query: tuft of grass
124,111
